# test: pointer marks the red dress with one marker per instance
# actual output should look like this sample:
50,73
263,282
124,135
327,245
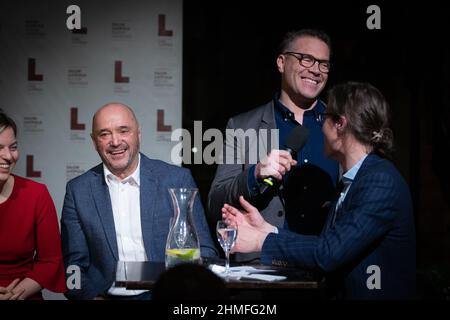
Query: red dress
30,243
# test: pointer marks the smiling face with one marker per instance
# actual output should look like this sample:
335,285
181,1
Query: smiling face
304,83
116,136
9,154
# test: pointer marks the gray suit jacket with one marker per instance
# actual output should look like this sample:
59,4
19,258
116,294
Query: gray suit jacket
87,223
231,180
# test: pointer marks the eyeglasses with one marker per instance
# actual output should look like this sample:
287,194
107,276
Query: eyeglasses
308,61
322,116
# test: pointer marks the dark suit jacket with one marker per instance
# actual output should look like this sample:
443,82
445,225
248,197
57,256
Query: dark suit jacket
87,222
231,180
373,227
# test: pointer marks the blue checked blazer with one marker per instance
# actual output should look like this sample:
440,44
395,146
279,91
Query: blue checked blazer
87,222
373,226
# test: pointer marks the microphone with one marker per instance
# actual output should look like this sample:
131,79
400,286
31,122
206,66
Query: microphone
294,142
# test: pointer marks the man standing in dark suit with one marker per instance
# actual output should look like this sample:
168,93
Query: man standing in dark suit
120,210
307,182
367,248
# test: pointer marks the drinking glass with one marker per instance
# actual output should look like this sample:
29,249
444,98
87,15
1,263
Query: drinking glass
227,238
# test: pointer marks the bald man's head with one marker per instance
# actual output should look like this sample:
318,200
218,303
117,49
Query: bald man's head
112,107
116,136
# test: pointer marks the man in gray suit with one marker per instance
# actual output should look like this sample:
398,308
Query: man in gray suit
120,210
306,181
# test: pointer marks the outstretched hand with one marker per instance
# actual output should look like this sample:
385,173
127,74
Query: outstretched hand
252,228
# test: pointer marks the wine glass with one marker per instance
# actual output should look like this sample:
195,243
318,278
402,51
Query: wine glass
227,238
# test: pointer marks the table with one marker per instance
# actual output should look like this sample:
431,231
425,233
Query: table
143,275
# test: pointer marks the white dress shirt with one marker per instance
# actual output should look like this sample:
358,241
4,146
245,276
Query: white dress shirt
125,202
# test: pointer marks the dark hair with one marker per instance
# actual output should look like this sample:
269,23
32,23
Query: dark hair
189,282
291,36
367,113
7,122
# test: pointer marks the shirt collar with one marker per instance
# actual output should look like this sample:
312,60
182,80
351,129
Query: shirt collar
286,113
350,175
134,178
283,110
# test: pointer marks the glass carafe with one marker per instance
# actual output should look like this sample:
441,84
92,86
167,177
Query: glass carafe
182,245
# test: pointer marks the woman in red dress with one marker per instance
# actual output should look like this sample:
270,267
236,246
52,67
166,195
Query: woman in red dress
30,244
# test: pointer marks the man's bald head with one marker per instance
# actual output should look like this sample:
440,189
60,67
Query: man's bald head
113,107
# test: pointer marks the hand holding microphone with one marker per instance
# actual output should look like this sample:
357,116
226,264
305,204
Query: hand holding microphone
279,162
276,165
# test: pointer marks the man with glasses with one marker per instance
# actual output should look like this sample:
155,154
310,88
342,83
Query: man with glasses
305,182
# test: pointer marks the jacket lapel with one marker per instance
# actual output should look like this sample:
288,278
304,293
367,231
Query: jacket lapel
267,123
366,163
148,199
102,200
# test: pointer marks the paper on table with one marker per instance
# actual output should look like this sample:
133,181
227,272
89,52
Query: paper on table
245,272
245,269
250,269
264,277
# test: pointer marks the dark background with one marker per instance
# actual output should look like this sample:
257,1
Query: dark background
229,53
